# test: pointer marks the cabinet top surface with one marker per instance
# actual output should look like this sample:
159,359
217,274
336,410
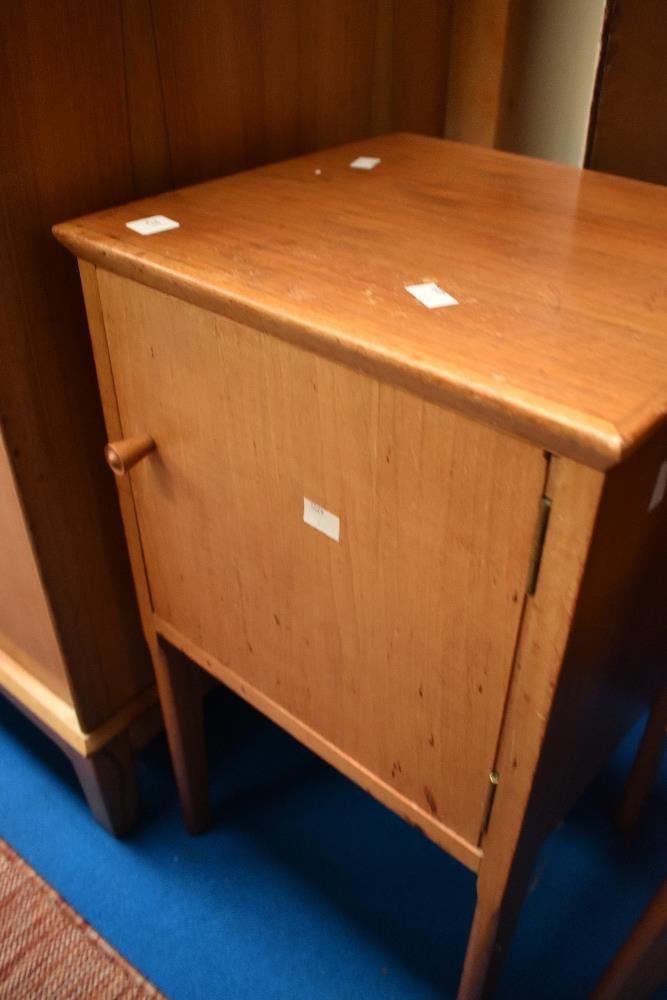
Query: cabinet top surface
560,275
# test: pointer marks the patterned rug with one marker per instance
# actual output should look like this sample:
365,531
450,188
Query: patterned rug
48,951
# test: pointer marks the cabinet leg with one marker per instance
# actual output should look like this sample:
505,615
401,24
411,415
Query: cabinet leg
180,689
640,967
645,765
498,904
109,782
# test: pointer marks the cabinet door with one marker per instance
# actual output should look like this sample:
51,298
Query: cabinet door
393,642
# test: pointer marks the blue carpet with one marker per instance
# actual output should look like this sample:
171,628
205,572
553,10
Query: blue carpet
306,888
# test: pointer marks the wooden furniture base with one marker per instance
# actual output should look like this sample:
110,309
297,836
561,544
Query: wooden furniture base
109,783
428,542
102,759
83,676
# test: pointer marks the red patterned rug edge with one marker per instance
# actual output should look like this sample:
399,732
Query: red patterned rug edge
138,979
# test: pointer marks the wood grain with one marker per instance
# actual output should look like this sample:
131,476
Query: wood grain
114,431
515,830
19,681
180,683
418,815
407,649
590,657
560,274
64,119
109,782
294,77
421,47
614,664
628,129
477,63
25,617
142,100
102,103
149,140
233,567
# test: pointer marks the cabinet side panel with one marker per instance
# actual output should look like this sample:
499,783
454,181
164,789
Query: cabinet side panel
355,553
26,629
617,652
63,116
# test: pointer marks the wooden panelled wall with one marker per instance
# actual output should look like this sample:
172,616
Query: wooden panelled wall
107,100
628,133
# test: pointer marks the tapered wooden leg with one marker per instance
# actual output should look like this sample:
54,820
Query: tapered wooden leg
640,967
499,900
180,689
109,783
645,765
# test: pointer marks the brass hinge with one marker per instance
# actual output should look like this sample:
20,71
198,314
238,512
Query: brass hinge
494,778
538,544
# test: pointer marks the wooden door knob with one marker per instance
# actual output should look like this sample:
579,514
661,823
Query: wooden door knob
122,455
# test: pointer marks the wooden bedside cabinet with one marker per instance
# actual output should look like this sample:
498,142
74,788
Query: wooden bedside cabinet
426,539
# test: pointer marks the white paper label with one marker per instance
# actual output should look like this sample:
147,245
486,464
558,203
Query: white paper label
152,224
660,487
365,162
431,295
320,519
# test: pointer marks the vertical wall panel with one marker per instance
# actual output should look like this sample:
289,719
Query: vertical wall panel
65,151
336,54
105,102
211,69
149,142
629,124
420,65
476,62
245,82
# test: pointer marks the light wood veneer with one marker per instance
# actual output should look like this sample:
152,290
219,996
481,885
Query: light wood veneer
490,619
